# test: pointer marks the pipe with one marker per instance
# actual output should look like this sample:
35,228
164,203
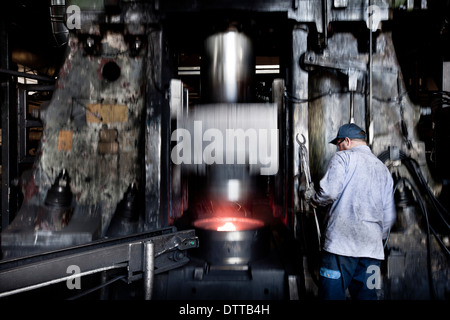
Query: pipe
325,22
27,75
149,268
228,67
369,123
57,19
352,107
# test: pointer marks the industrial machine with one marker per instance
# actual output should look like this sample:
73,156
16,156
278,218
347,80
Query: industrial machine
181,135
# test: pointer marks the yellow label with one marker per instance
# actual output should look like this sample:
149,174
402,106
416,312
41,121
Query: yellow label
106,113
65,140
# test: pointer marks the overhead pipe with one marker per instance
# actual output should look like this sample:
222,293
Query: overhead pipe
27,75
57,18
369,123
325,22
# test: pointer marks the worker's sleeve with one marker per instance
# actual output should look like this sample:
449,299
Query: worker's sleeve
332,183
389,210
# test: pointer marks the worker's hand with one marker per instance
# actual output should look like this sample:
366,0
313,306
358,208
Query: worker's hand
309,192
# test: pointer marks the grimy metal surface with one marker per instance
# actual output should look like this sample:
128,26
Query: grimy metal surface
109,122
127,253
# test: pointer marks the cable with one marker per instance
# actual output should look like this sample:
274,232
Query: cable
425,213
439,240
290,97
444,98
97,287
414,169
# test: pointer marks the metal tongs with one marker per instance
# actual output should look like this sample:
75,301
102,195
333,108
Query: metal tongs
305,165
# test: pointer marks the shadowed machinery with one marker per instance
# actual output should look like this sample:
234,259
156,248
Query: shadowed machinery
161,149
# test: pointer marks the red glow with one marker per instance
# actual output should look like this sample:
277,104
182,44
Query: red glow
228,224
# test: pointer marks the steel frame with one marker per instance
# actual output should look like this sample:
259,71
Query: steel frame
141,256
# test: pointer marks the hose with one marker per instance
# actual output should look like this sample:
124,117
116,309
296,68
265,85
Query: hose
425,213
414,170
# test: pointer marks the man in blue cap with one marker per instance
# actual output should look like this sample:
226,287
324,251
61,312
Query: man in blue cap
358,188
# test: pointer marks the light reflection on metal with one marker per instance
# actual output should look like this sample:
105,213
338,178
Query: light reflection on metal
248,242
233,190
259,69
228,67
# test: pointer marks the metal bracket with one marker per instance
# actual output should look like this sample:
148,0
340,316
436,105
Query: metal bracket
344,64
353,67
131,253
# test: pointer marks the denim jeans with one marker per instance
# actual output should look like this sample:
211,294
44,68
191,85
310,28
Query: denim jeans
339,273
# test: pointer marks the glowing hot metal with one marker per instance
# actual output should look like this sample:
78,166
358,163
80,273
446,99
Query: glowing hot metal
228,226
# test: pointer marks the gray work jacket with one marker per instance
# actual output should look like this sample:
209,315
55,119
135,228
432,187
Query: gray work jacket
359,188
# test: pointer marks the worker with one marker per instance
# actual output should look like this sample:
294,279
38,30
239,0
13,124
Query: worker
357,190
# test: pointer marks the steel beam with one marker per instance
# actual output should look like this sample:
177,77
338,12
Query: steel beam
132,253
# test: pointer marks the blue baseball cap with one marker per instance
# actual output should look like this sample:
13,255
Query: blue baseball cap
351,131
